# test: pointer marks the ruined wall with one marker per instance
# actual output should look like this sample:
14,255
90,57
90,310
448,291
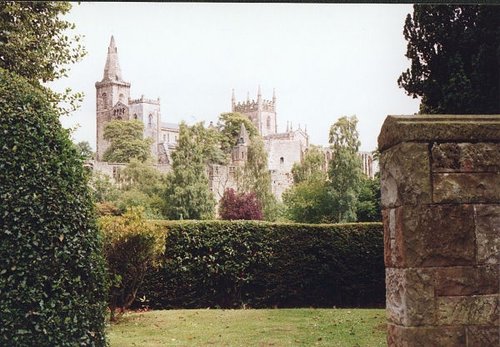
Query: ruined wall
441,209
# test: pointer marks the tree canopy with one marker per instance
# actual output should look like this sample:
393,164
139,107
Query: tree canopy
455,58
344,169
234,205
126,141
34,40
188,194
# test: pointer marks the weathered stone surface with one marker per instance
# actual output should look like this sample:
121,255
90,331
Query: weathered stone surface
466,187
487,233
405,175
460,280
438,128
398,336
468,310
437,235
480,336
466,157
393,237
410,297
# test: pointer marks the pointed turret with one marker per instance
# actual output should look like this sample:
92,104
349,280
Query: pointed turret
259,95
243,138
274,96
112,71
233,100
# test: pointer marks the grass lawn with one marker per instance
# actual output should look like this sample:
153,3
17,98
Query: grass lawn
270,327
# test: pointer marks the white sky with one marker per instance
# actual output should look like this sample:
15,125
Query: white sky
324,60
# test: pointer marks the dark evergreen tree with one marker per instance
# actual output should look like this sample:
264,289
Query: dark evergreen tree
455,58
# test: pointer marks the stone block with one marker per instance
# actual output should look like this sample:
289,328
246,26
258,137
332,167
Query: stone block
410,297
480,336
438,128
398,336
405,175
487,233
460,280
466,187
437,235
468,310
466,157
393,237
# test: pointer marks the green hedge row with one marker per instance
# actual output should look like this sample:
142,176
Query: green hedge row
257,264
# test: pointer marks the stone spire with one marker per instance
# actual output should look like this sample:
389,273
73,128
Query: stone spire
112,71
274,96
259,95
233,100
243,138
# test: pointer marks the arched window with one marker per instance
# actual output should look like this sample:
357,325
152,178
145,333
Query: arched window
269,122
282,160
135,116
150,120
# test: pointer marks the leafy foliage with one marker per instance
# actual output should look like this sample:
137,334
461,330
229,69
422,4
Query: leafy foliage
313,166
131,245
229,126
369,205
455,59
85,150
187,195
52,274
256,264
308,201
344,169
34,39
235,205
127,142
256,178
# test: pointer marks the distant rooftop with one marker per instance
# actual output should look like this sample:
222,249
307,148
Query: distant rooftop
170,125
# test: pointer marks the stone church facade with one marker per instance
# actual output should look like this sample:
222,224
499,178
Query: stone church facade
113,102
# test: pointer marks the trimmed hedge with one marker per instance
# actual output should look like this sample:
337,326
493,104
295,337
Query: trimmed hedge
52,274
258,264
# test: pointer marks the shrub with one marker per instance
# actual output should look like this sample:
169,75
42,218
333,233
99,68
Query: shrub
131,245
52,275
235,205
259,264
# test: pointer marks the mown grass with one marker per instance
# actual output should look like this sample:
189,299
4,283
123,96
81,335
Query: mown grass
266,327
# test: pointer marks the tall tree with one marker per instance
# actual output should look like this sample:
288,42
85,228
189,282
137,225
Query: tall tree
256,178
188,194
344,169
308,200
127,141
455,58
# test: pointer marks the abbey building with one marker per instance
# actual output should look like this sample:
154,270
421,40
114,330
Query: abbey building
114,102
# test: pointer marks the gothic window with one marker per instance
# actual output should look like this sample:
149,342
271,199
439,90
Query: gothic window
282,160
269,122
164,137
135,116
150,120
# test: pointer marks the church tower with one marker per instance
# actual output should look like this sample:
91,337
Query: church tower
262,112
112,97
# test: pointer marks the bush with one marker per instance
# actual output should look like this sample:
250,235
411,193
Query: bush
52,275
233,206
258,264
131,245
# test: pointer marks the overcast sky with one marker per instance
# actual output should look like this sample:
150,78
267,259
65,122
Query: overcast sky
324,60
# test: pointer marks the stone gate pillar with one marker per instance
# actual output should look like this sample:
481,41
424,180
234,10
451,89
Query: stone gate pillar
441,209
